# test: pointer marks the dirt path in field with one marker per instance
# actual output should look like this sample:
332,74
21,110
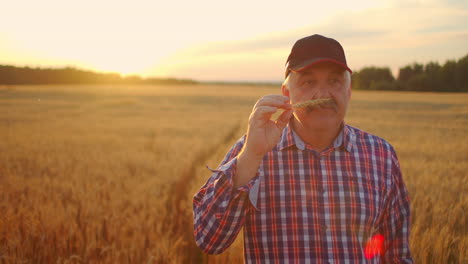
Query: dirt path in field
180,202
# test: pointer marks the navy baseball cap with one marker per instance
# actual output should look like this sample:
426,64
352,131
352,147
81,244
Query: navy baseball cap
315,49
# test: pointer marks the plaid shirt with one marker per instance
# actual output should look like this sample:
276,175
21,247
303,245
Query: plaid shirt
346,204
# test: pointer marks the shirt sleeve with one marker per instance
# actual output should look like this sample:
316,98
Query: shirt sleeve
219,209
396,227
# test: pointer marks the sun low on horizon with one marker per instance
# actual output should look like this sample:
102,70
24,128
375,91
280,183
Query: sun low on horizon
210,40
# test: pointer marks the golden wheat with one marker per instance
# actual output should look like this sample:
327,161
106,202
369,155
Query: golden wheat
313,102
105,174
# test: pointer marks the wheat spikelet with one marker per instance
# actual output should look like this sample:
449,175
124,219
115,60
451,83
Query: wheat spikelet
313,102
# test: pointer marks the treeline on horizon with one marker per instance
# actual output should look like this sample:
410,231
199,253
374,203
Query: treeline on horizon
12,75
449,77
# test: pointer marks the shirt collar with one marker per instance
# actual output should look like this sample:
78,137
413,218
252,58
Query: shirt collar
287,139
345,139
349,137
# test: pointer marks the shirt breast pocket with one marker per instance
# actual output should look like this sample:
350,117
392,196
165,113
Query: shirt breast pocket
361,199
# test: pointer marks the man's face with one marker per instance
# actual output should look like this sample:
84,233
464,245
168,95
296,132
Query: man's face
324,80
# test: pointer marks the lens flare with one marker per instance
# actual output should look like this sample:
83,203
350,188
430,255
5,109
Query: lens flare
374,246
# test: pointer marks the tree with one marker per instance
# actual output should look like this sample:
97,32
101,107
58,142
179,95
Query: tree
411,77
432,76
69,75
373,78
461,75
447,76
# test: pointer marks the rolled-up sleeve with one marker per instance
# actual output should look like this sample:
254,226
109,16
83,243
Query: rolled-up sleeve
219,209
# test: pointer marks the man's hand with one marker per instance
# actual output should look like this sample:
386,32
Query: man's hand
262,135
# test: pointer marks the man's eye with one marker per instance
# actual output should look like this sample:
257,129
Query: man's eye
335,81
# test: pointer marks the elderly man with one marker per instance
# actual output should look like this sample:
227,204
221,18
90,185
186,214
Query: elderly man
307,188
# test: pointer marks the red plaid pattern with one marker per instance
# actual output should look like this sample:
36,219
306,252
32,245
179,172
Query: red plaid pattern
347,204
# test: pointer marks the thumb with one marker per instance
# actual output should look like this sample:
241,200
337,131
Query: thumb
283,119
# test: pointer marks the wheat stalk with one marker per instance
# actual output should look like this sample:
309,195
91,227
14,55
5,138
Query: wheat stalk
313,102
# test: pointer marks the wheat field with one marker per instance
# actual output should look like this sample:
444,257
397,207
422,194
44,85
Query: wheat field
105,174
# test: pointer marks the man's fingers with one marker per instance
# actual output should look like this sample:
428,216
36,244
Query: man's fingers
279,101
284,118
264,112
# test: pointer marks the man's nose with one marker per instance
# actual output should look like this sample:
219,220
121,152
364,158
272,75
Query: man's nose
322,91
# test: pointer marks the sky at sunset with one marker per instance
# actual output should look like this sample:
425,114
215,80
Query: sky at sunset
225,40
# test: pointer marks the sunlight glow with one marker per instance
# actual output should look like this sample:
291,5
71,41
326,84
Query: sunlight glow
174,38
374,246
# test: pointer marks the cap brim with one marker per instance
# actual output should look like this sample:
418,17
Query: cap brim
309,63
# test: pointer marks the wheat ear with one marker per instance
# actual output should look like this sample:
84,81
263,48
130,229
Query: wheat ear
312,102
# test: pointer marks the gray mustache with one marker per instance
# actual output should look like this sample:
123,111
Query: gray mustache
326,104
